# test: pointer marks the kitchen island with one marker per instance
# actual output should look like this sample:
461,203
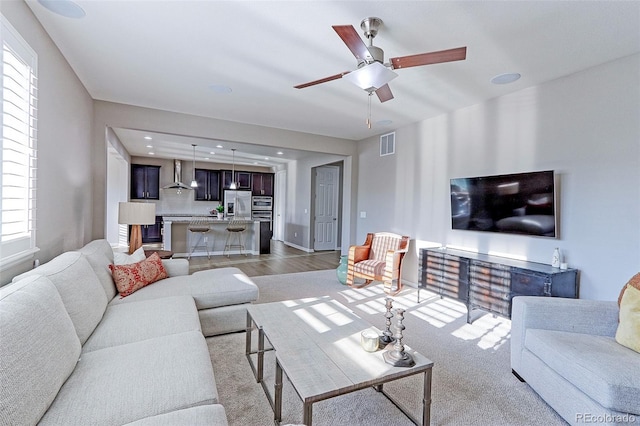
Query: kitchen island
178,239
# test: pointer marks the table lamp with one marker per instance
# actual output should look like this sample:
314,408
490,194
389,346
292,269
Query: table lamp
136,214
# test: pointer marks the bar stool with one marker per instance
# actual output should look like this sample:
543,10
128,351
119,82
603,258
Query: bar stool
235,228
200,227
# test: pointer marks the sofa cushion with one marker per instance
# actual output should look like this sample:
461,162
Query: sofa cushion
125,383
100,256
601,368
133,322
222,287
130,278
79,287
39,349
168,287
204,415
127,259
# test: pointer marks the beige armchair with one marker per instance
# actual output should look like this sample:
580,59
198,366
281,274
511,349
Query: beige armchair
378,259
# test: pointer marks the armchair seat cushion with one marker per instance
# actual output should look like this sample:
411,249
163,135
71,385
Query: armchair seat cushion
370,267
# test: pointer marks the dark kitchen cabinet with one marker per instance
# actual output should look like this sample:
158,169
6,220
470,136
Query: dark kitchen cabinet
242,179
151,233
145,182
262,184
208,185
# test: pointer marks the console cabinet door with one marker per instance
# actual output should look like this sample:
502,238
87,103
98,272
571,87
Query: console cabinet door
444,274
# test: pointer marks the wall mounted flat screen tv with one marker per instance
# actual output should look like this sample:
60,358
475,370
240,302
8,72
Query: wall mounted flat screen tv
521,203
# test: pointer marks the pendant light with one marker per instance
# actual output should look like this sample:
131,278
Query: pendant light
233,171
194,183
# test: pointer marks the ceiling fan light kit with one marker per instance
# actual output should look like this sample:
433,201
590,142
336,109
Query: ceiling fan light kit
372,74
371,77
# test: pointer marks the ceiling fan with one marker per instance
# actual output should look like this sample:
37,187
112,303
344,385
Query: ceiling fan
372,73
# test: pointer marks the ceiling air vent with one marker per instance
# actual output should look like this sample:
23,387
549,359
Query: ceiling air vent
388,144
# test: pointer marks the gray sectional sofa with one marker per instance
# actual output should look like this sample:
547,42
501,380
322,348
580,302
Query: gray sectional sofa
74,352
565,349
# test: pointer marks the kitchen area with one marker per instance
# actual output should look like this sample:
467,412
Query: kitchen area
207,198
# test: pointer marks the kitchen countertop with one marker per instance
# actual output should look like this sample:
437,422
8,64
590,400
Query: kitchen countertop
181,217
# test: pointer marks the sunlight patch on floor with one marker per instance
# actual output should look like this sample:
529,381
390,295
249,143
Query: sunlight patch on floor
488,331
440,312
356,294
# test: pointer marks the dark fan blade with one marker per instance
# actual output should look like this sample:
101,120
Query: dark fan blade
353,41
384,93
457,54
322,80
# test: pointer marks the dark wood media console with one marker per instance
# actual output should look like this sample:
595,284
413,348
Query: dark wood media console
489,282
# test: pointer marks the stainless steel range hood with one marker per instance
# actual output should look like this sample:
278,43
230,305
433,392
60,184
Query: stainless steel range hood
177,177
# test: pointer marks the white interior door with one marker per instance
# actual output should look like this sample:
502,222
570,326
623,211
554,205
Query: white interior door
326,208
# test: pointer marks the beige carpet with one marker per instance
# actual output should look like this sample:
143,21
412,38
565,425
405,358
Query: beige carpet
472,380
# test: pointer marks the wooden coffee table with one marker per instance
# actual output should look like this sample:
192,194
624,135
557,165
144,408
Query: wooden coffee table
317,345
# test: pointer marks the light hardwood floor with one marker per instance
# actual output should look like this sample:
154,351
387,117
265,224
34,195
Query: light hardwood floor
282,260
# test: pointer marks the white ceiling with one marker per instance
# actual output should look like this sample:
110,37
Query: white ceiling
169,54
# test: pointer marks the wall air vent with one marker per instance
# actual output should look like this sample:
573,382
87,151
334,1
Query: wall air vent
388,144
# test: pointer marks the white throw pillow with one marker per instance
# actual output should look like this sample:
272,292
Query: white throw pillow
128,259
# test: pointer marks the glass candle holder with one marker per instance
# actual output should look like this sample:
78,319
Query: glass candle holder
369,340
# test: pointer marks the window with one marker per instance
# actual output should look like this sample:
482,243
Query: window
18,154
388,144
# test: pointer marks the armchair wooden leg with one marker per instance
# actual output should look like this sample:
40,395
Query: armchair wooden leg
389,287
351,281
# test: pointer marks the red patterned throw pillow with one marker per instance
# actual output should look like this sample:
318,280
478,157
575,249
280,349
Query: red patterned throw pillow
130,278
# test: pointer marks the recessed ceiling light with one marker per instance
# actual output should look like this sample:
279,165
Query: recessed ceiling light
65,8
266,158
148,138
218,146
220,89
152,153
149,146
280,153
506,78
212,153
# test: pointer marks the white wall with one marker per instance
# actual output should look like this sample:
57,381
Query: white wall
65,117
584,126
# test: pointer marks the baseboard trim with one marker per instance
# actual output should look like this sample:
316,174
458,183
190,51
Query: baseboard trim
295,246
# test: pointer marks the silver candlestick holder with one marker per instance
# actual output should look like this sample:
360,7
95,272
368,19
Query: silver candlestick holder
397,356
387,337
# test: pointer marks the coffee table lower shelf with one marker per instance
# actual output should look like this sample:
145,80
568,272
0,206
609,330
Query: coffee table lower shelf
266,319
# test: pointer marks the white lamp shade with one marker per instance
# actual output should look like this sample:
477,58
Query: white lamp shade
371,77
136,213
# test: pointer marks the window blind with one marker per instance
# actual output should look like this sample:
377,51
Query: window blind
19,137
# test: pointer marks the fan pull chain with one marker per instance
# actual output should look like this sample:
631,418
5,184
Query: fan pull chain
369,111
